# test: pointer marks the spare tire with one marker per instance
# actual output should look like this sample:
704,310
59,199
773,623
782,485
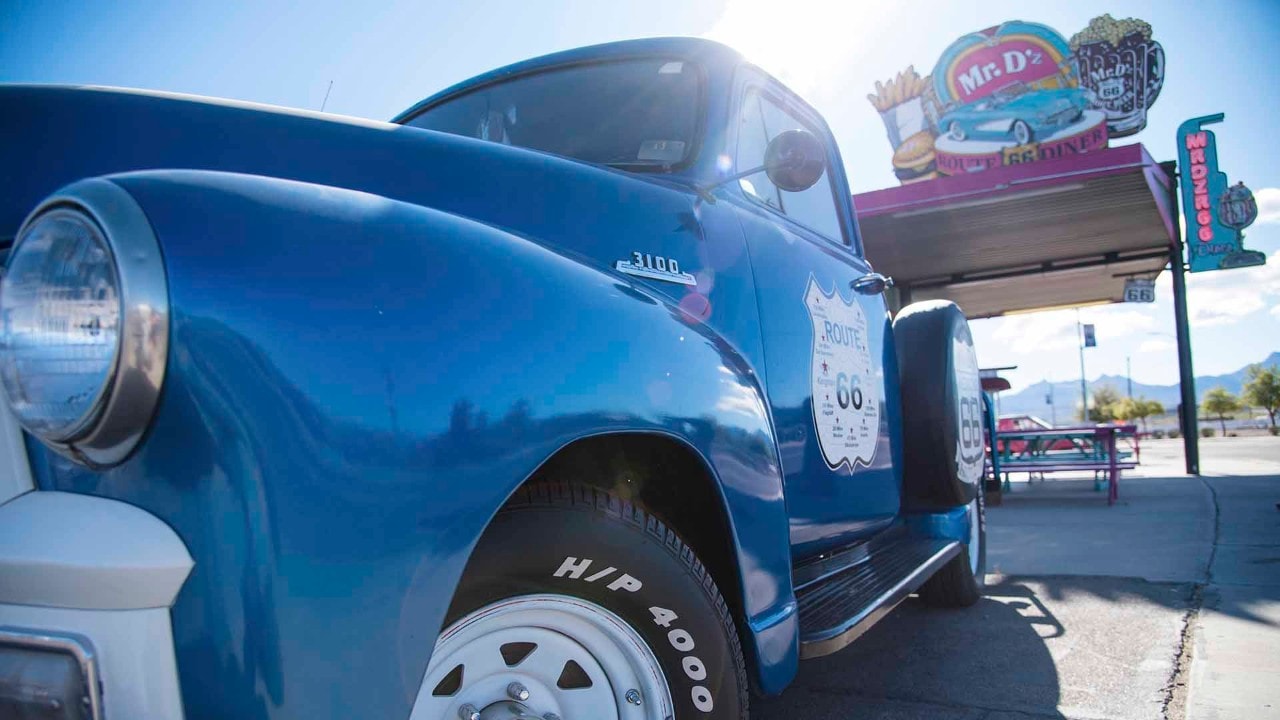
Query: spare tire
942,439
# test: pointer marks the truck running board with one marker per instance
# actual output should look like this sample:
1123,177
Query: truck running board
837,607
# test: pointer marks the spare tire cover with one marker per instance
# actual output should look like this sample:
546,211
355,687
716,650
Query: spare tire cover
944,449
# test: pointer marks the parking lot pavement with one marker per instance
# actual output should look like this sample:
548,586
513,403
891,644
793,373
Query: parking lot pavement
1063,647
1166,606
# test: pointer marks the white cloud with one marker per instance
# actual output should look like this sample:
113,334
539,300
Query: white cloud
1155,346
1225,297
1025,334
1056,329
1268,205
1222,306
1276,311
1115,321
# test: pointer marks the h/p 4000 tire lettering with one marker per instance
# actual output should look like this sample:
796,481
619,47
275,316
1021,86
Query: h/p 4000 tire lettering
576,541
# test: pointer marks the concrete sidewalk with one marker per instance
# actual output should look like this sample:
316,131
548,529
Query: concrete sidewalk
1235,649
1160,530
1124,580
1220,533
1163,607
1032,649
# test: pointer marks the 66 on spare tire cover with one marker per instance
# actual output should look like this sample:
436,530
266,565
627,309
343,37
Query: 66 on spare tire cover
944,448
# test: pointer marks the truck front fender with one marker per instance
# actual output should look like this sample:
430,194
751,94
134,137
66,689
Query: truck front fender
355,386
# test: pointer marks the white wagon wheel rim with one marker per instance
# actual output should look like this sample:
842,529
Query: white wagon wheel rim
574,659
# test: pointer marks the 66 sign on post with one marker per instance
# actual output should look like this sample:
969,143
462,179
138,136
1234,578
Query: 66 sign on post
1139,290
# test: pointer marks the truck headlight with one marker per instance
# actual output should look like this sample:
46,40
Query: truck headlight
84,323
61,310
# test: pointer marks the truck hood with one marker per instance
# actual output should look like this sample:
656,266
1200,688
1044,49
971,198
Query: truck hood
53,135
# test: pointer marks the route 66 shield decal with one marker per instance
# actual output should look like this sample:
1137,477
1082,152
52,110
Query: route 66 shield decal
846,392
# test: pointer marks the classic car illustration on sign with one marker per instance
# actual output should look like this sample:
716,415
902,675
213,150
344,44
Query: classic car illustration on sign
567,394
1016,113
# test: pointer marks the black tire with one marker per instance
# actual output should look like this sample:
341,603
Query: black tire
957,584
543,525
942,441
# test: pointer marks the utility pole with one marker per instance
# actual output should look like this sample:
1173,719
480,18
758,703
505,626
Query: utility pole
1128,375
1084,386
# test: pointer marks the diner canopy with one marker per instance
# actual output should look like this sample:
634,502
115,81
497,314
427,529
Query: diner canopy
1055,233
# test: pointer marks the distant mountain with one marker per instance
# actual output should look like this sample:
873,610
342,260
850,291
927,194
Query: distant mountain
1033,400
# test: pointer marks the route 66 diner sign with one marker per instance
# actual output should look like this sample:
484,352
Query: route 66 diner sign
1019,93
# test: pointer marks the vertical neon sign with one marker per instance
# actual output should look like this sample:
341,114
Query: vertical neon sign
1211,244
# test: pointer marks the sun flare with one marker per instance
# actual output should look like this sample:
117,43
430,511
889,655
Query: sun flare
803,43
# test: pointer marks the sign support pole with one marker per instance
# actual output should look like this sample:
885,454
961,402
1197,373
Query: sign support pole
1186,376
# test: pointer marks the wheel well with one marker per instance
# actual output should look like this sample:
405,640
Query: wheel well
667,478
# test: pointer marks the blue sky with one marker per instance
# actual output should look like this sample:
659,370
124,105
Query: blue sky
382,57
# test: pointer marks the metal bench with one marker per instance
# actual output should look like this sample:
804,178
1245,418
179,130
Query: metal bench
1067,449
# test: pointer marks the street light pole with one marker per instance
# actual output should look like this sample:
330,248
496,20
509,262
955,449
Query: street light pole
1053,407
1128,375
1084,386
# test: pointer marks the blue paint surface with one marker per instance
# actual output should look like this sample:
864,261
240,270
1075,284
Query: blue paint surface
378,332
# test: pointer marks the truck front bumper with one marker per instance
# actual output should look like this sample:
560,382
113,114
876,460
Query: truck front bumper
86,585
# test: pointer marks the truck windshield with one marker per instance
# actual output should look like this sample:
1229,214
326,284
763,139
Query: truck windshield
637,114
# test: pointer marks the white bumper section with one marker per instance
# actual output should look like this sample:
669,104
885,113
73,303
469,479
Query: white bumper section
102,570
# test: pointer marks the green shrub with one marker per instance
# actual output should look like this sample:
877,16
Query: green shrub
1274,430
1206,432
1157,434
1174,434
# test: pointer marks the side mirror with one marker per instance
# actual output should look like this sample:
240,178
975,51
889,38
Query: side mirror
795,160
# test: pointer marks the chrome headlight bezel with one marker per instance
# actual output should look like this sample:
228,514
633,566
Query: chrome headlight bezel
121,412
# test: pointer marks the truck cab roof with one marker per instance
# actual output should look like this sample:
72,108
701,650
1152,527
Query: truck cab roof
708,53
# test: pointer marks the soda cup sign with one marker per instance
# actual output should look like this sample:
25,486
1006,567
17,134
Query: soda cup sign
1123,66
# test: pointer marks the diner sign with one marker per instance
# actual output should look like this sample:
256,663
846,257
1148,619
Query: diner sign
1020,93
1214,212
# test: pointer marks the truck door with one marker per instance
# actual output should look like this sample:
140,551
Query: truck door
830,363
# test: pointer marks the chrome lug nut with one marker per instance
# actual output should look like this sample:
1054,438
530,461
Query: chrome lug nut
633,697
468,712
518,692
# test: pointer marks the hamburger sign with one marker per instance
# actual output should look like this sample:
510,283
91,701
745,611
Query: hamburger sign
1020,93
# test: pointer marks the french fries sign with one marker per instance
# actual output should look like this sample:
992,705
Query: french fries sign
1020,93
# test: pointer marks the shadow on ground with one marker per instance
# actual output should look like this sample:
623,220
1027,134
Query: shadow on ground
1032,648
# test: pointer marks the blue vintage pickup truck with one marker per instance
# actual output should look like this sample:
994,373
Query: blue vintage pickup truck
569,393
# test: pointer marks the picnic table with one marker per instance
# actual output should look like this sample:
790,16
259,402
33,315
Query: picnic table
1094,448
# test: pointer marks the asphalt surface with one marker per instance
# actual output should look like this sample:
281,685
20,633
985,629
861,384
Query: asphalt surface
1166,605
